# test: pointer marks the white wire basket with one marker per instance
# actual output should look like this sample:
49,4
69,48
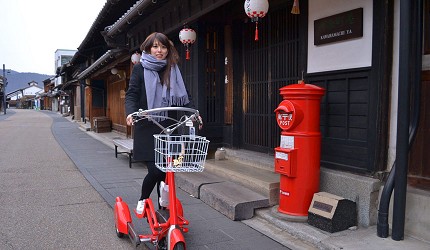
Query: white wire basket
180,153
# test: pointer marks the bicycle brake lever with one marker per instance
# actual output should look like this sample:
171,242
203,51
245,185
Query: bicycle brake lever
142,113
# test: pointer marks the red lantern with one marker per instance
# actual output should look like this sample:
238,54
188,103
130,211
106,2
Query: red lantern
256,9
187,36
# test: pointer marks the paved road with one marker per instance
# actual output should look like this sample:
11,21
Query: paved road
45,201
57,186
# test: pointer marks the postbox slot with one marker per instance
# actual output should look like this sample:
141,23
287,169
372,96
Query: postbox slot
288,115
285,161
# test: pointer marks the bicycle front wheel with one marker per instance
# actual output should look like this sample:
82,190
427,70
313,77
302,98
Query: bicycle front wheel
179,246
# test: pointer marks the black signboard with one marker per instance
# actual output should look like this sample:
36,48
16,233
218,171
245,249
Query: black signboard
339,27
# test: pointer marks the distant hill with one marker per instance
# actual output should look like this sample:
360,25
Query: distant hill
17,80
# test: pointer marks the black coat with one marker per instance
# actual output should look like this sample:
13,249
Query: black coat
135,99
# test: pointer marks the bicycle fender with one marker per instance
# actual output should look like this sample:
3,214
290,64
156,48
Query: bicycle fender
122,215
174,236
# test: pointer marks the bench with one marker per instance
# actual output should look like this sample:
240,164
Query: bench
126,144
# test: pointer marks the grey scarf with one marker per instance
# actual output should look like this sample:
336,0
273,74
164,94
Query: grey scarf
157,94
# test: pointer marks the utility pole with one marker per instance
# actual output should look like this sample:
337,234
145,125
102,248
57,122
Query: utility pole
4,88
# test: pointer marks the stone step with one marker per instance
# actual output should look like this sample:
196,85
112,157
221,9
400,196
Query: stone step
192,182
258,179
272,230
251,158
236,185
233,200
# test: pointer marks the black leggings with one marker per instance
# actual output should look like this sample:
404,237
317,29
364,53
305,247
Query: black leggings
153,177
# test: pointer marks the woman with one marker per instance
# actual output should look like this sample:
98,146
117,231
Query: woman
155,82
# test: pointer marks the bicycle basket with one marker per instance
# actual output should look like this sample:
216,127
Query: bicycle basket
180,153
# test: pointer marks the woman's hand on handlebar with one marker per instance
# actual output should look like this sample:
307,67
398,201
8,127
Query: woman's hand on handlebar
200,122
129,120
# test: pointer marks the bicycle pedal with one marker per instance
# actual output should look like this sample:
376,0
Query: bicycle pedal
139,216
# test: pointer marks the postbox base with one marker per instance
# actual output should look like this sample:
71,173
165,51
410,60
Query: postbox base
295,194
289,213
286,217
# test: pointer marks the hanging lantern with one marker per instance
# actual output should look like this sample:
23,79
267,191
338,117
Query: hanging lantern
256,9
187,36
135,58
295,9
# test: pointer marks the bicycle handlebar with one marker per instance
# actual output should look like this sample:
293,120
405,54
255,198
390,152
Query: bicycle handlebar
148,112
161,114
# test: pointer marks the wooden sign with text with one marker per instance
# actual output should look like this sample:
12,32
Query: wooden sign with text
339,27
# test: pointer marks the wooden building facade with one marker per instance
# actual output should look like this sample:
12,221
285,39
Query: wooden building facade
235,80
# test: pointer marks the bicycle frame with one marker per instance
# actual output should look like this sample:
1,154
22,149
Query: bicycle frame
172,228
161,229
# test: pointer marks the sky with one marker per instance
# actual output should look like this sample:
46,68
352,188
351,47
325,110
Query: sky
32,30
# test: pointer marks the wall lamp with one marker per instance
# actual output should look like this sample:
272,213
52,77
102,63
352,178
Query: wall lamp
114,71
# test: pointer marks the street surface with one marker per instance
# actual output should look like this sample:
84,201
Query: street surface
45,202
58,185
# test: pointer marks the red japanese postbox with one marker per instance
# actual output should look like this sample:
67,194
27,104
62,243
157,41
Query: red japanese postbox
297,159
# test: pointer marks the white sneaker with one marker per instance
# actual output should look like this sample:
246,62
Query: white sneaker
164,195
140,206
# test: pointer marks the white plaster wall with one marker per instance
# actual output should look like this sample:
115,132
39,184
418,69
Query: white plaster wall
394,89
31,90
353,53
58,54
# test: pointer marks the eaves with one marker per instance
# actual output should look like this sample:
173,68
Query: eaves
128,18
105,59
110,12
145,8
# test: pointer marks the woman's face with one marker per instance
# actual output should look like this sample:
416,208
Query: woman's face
158,50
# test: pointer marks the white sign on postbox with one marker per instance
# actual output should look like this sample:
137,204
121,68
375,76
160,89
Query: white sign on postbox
282,156
287,142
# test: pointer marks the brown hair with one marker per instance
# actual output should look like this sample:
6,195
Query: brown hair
172,57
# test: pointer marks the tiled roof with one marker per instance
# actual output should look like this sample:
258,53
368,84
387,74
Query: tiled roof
132,13
108,14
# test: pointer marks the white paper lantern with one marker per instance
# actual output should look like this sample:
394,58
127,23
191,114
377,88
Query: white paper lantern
135,58
256,9
187,36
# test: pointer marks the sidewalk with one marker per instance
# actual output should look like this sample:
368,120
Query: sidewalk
295,235
93,154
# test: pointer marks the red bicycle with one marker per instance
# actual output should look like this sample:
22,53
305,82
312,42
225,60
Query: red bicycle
173,153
